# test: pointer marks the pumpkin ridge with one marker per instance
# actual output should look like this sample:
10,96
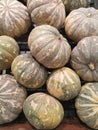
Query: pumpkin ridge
75,31
7,54
72,25
22,71
2,48
49,42
41,4
9,40
59,50
34,79
53,11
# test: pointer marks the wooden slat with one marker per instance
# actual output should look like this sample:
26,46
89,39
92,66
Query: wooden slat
67,124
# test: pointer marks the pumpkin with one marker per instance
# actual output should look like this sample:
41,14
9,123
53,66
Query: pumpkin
43,111
86,104
75,4
12,96
50,12
28,72
14,18
82,22
9,49
64,84
48,46
84,58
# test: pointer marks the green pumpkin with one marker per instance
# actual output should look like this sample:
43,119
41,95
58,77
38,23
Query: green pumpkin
87,105
82,22
84,58
12,97
51,12
14,18
64,84
75,4
9,49
43,111
49,47
28,72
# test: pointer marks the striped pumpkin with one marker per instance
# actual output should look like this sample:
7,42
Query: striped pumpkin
9,49
12,96
43,111
82,22
48,46
84,58
87,105
28,72
64,84
50,12
14,18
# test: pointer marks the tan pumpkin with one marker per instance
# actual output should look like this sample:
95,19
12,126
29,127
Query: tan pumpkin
87,105
81,23
64,84
28,72
14,18
43,111
50,12
48,46
12,97
9,49
84,58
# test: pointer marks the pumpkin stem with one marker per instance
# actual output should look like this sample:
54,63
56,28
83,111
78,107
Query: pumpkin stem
91,66
89,15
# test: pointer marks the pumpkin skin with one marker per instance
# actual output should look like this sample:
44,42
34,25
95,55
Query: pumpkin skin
9,49
64,84
43,111
84,58
48,46
28,72
75,4
82,22
12,97
50,12
86,105
14,18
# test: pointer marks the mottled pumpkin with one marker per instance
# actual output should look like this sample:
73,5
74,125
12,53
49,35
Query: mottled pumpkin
28,72
75,4
87,105
9,49
64,84
12,97
48,46
81,23
14,18
43,111
50,12
84,58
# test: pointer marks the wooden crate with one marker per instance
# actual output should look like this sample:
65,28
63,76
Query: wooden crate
70,121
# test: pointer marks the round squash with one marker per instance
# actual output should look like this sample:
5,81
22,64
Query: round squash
75,4
64,84
50,12
28,72
48,46
87,105
82,22
9,49
14,18
12,97
43,111
84,58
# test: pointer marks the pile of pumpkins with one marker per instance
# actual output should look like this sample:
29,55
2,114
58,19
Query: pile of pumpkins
47,62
